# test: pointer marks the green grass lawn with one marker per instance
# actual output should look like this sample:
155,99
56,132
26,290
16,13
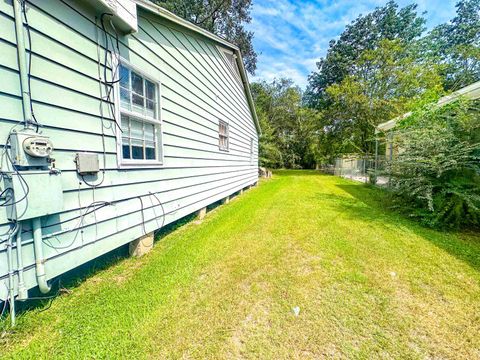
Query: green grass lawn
369,284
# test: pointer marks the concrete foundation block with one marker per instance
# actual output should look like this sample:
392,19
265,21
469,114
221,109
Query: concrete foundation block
201,213
141,246
226,200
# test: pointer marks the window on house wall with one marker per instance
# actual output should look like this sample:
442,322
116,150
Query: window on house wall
140,118
223,135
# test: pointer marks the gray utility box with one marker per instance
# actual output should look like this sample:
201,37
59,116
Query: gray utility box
87,163
44,195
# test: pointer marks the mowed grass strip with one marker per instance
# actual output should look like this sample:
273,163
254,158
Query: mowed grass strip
368,283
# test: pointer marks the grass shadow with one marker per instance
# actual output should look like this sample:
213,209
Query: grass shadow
371,205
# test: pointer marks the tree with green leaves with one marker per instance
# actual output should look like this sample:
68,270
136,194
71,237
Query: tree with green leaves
364,34
436,174
388,81
289,129
456,45
225,18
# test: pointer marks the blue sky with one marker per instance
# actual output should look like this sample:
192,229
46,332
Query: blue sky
290,36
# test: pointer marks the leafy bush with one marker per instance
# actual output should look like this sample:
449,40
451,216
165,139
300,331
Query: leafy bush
435,173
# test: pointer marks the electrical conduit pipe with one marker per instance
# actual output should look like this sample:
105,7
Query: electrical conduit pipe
22,67
22,62
39,259
22,290
11,288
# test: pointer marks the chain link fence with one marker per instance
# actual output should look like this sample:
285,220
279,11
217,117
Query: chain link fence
365,169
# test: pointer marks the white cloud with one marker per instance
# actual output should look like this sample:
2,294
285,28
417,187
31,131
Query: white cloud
290,36
281,70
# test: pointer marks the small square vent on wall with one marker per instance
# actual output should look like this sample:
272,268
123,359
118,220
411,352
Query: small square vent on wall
124,13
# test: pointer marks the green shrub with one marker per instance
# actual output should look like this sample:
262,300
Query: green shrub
435,174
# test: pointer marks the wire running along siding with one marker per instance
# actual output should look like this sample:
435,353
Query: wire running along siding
197,90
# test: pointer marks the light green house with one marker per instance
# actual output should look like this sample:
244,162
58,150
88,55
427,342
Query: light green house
116,118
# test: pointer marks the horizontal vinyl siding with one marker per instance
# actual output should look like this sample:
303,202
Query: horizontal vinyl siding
197,90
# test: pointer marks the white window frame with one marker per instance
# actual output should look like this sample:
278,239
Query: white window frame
227,136
156,121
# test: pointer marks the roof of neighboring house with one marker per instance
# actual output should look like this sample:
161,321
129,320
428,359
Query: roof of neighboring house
471,92
148,5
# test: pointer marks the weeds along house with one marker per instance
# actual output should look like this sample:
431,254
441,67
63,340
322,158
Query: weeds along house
116,118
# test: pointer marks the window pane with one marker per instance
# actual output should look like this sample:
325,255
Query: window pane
125,124
124,77
149,150
222,128
125,140
125,149
150,111
149,132
150,90
125,98
137,83
139,138
137,103
136,129
137,149
223,135
223,142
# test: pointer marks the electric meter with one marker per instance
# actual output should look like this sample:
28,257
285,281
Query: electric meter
30,149
38,146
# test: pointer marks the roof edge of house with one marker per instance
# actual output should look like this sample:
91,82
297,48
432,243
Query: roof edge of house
158,10
471,92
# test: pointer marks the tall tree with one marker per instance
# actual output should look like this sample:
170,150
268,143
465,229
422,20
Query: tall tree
456,45
289,129
225,18
388,81
365,33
